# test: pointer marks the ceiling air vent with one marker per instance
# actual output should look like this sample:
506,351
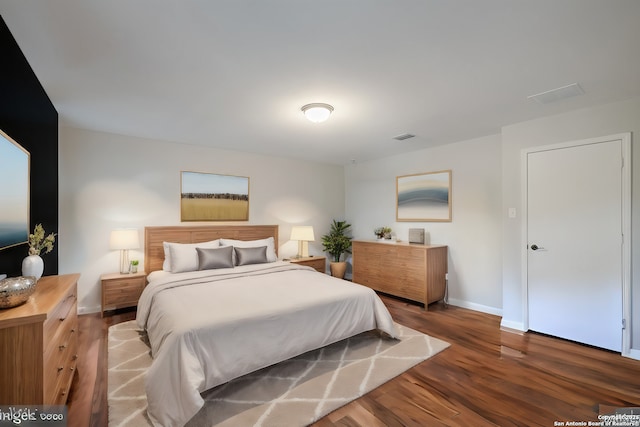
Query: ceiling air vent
403,136
557,94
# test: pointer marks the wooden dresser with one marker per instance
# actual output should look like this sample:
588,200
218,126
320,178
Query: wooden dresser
412,271
39,344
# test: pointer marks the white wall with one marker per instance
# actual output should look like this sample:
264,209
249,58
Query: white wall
581,124
474,235
112,181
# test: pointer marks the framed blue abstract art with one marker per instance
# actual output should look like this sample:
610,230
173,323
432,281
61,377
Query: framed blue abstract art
424,197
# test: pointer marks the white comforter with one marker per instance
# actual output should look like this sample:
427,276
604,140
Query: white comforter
208,327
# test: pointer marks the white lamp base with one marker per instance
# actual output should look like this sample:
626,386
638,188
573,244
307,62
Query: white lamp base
124,261
303,249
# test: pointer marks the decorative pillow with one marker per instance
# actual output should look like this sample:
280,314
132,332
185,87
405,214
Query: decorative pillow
246,256
211,258
180,257
268,242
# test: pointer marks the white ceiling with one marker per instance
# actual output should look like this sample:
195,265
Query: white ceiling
234,74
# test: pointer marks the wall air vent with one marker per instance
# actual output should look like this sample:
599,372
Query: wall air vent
557,94
403,136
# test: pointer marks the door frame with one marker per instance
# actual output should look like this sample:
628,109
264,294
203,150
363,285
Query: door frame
625,138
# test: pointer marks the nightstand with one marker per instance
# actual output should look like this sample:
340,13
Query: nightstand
317,262
121,290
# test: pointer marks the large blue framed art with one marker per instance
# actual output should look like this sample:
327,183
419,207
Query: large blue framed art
14,192
424,197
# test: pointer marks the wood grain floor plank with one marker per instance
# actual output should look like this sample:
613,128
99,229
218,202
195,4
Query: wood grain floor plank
352,414
488,377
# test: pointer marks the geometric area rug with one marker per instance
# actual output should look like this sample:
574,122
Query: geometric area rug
296,392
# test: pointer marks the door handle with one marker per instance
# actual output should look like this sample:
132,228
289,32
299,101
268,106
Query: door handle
535,247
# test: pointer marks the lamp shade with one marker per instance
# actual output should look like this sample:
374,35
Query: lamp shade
302,232
317,112
124,239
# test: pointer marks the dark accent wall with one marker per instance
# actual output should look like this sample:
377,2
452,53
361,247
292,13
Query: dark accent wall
28,116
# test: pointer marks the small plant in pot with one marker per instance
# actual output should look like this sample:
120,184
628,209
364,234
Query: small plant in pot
134,266
383,232
336,243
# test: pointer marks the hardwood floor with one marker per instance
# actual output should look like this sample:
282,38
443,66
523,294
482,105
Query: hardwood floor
87,404
487,377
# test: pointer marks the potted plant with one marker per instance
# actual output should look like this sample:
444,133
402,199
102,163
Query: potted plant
134,266
336,243
383,232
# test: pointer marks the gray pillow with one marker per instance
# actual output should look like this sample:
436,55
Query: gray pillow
210,258
246,256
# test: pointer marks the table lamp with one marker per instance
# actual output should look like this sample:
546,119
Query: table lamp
124,240
303,234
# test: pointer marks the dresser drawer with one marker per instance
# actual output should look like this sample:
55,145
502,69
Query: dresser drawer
319,264
58,316
59,355
119,292
64,385
59,371
66,331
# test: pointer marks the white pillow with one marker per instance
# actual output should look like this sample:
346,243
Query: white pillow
180,257
268,242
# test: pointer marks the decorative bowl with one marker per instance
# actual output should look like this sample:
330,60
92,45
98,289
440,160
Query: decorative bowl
16,290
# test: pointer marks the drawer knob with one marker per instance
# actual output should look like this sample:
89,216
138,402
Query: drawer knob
62,347
60,368
73,330
72,368
75,357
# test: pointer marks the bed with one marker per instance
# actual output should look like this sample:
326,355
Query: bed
233,311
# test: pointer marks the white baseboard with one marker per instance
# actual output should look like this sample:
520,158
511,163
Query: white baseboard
510,324
633,354
475,307
89,310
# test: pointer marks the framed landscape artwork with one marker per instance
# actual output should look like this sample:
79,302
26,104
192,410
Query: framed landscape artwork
211,197
14,193
424,197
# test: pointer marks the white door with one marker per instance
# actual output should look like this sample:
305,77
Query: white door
574,233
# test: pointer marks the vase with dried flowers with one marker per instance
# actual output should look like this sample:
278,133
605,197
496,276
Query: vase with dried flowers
33,265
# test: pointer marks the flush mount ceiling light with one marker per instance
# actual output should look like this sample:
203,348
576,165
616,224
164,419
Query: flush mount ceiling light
404,136
317,112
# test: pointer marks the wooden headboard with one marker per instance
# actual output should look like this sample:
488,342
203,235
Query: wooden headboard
154,236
